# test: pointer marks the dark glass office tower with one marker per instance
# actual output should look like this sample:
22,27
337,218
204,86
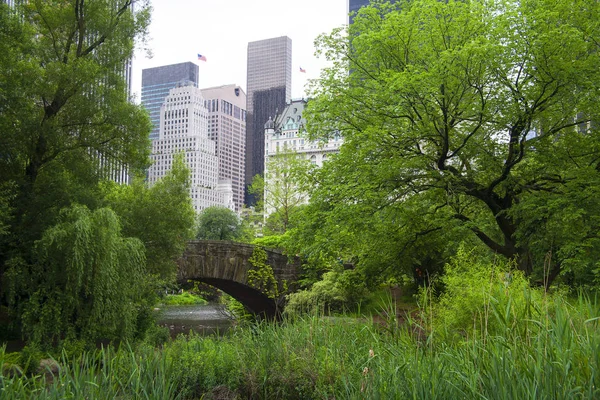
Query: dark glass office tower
156,83
269,86
354,5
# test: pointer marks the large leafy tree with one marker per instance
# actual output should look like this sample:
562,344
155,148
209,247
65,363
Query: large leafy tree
65,120
466,116
161,216
84,282
65,107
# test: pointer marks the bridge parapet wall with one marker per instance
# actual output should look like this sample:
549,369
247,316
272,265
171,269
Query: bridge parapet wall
229,261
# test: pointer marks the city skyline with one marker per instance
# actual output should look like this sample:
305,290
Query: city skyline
221,31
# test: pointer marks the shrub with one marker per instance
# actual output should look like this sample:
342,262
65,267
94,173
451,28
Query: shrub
184,299
482,298
338,291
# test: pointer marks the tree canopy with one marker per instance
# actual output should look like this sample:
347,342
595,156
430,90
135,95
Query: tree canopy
161,216
281,191
463,120
79,256
219,223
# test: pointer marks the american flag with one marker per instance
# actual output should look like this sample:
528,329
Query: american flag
302,69
201,57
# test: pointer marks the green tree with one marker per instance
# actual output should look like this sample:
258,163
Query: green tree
219,223
281,190
85,282
65,107
470,113
161,216
65,120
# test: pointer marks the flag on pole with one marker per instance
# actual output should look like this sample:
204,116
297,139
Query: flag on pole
302,70
201,57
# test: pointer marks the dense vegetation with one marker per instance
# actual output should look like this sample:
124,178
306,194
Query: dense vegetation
80,257
470,172
505,341
462,121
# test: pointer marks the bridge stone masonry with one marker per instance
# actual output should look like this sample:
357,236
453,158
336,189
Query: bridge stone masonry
225,265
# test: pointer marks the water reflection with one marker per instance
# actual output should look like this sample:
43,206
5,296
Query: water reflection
205,319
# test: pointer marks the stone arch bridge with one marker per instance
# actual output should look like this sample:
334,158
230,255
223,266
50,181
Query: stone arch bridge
225,265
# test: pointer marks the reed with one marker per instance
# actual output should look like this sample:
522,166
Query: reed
553,353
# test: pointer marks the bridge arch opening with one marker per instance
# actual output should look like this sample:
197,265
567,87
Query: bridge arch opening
255,301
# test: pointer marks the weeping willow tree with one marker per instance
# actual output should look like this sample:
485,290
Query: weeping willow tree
86,281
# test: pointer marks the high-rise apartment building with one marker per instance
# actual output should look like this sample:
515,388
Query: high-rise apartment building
183,129
156,84
227,128
269,86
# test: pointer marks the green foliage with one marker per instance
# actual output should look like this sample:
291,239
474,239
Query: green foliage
157,336
283,188
273,241
203,364
219,223
261,275
98,374
29,359
481,298
7,194
65,93
461,121
338,291
161,216
183,299
344,358
65,123
86,281
237,310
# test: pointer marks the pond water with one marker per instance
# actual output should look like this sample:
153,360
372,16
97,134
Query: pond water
203,319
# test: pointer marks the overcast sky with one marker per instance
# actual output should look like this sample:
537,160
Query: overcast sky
221,30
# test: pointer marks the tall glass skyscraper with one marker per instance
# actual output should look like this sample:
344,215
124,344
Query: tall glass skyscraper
354,5
269,86
156,83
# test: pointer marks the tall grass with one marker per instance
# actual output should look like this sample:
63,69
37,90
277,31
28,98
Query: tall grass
101,374
552,353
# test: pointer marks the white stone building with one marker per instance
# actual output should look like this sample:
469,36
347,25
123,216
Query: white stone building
284,135
227,128
184,129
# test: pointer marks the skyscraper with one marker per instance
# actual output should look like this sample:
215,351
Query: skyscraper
269,85
156,83
227,128
355,5
184,129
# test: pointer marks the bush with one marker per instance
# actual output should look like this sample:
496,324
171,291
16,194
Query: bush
338,291
184,299
481,298
157,336
29,359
